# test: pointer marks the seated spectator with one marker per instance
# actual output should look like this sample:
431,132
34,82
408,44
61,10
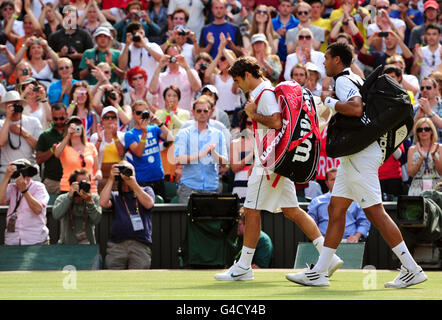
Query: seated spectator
262,24
157,12
27,199
143,146
264,248
241,156
59,90
303,12
428,58
75,152
78,210
91,18
80,104
357,225
314,80
177,73
304,53
34,93
269,63
18,132
109,142
130,239
141,53
47,142
228,98
430,105
101,53
424,158
173,118
200,149
202,61
210,35
134,13
300,74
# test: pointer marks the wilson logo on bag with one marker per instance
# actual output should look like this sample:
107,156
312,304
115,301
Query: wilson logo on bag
292,151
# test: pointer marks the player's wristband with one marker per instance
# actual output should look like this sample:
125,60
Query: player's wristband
331,103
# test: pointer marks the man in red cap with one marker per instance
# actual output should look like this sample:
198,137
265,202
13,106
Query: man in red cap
431,12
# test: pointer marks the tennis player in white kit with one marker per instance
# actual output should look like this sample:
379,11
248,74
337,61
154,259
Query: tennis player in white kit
357,180
260,193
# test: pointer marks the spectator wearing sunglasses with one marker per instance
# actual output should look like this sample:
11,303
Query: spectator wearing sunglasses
47,141
200,149
304,53
304,15
75,152
424,158
59,90
430,104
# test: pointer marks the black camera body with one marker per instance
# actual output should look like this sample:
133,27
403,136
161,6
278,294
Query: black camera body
124,170
84,185
21,169
18,108
172,59
135,37
183,33
145,115
35,88
203,66
110,94
70,50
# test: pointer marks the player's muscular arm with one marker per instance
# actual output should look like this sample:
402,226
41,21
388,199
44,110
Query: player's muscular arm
274,121
354,107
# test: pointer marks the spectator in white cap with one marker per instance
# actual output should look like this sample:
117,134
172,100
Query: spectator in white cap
216,113
101,53
313,82
269,63
109,142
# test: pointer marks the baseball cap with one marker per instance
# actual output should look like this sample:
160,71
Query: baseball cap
211,88
431,4
102,30
312,67
109,109
258,37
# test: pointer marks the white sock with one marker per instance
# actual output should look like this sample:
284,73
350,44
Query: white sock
245,261
324,260
319,243
401,251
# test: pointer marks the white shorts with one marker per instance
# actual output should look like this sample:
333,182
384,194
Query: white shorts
358,177
262,196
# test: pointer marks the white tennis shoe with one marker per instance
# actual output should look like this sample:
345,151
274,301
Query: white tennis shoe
235,273
308,277
407,278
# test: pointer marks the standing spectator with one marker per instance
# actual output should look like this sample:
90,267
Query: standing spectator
18,132
359,14
300,74
200,149
81,105
7,10
130,241
202,61
431,12
283,22
157,13
59,90
75,152
210,35
424,158
26,216
71,41
143,145
195,10
357,225
269,63
303,13
37,105
50,19
46,144
79,211
102,53
177,73
186,39
139,88
428,58
92,18
262,24
410,16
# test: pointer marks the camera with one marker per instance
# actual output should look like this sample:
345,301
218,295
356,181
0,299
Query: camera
110,94
136,37
138,14
21,169
172,59
183,33
203,66
70,51
124,171
383,34
37,40
18,108
84,185
35,87
78,129
145,115
25,71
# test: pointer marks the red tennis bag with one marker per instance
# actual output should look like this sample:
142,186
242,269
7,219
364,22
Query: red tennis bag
293,151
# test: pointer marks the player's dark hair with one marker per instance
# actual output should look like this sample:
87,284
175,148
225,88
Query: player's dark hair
343,51
243,65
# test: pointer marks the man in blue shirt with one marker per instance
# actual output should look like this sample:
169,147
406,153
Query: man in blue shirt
283,22
143,144
129,245
357,225
200,148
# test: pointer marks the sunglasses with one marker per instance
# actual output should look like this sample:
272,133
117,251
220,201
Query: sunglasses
201,110
307,37
426,88
56,118
380,8
64,68
137,78
426,129
302,12
138,112
261,12
109,117
83,163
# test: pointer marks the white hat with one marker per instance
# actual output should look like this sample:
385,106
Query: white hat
109,109
258,37
102,30
11,96
211,88
312,67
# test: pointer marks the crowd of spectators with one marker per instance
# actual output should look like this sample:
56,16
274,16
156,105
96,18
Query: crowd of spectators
86,85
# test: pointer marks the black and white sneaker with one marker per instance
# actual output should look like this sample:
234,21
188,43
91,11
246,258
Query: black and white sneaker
308,277
407,278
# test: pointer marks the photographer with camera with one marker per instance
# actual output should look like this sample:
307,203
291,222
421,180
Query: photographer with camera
18,132
27,199
130,241
79,210
177,73
138,51
186,39
143,145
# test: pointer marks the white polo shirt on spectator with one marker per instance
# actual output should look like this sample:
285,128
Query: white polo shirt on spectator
316,57
430,62
141,57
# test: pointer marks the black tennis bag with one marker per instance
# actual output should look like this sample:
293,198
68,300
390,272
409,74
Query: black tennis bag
387,118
